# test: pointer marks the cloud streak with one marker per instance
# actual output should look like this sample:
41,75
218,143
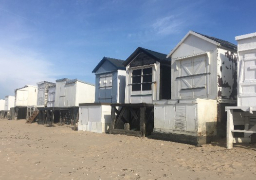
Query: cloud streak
168,25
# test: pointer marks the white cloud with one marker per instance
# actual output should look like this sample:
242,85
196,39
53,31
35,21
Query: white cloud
168,25
20,60
21,68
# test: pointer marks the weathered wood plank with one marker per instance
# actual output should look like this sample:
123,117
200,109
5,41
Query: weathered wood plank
142,121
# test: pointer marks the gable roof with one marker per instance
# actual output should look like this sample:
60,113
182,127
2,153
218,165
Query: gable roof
115,62
61,80
213,40
156,55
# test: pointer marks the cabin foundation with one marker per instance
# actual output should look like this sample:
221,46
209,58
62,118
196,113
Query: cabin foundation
132,119
61,115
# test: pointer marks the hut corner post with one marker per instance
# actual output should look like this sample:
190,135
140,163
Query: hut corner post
142,121
230,127
113,119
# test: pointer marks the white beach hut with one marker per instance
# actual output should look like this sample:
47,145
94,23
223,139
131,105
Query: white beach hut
2,108
2,104
26,96
25,101
241,119
9,102
77,92
203,82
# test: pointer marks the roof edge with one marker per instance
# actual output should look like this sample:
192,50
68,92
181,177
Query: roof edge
245,36
185,37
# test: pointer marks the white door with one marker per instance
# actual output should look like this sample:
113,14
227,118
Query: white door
192,77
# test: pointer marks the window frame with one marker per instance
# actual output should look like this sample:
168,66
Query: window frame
141,91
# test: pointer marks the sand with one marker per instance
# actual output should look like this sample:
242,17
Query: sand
32,151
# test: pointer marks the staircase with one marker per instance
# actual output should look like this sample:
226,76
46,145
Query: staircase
33,116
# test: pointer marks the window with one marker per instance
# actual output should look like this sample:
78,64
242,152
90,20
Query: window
142,79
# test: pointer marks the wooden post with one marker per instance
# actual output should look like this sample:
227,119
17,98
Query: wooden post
43,113
113,120
230,127
40,117
60,118
16,113
27,114
47,117
52,116
142,121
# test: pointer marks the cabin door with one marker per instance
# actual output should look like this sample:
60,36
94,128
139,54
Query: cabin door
192,77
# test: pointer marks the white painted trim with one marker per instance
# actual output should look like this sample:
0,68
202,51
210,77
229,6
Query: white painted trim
195,34
245,36
186,57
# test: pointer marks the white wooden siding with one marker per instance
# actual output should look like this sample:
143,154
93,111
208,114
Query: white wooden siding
9,102
247,70
192,77
196,117
2,104
26,96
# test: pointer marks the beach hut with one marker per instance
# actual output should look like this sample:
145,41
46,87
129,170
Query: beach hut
26,96
147,79
70,93
2,104
2,108
77,92
43,90
241,119
109,81
64,100
109,88
25,101
9,102
147,76
203,82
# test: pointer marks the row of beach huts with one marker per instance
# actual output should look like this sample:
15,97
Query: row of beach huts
182,96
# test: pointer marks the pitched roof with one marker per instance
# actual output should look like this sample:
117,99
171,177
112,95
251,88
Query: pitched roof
63,79
222,43
116,62
156,55
213,40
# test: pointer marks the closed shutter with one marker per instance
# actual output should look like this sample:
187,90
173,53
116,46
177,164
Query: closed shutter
193,77
105,88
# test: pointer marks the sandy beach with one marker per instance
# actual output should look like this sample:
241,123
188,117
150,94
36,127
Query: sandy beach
32,151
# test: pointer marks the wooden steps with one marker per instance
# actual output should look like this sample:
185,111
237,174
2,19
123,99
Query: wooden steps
33,116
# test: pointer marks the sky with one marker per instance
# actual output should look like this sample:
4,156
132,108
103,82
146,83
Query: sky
45,40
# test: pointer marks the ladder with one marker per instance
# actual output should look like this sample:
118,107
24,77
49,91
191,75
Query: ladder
33,116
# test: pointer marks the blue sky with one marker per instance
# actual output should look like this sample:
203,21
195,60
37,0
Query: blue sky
51,39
